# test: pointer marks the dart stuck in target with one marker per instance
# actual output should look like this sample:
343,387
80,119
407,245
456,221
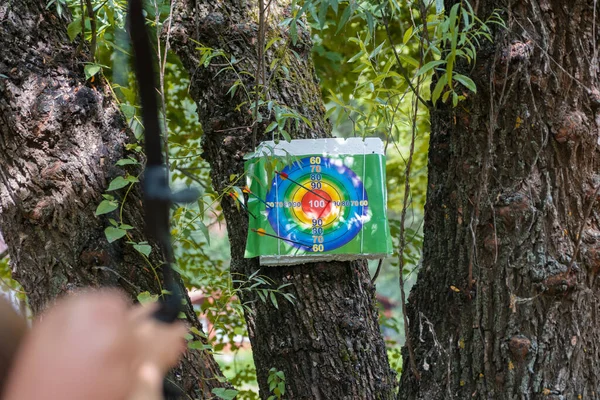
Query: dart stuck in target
317,200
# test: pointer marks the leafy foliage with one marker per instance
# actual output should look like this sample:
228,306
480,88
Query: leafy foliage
276,381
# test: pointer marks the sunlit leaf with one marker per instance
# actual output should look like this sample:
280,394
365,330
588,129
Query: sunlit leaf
112,234
106,206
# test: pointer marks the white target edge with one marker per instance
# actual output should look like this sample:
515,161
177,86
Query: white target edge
325,147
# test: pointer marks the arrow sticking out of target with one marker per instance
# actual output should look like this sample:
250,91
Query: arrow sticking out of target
286,176
235,196
247,190
262,232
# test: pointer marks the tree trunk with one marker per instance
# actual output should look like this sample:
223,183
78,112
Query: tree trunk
328,342
506,303
60,139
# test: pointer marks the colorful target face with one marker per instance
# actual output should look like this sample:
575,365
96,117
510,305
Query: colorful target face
326,205
326,208
320,199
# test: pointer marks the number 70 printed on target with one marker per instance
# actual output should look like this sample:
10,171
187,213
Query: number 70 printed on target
317,200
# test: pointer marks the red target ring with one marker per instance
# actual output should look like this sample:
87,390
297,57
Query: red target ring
316,204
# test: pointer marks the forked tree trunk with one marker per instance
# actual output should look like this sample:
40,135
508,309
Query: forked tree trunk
512,173
328,342
60,137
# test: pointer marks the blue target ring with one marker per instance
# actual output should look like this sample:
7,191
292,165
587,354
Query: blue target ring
319,204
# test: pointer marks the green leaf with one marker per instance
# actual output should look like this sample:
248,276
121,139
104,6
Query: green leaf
127,161
322,16
91,70
132,179
410,60
356,57
407,35
126,227
74,29
271,42
196,331
204,230
134,147
117,183
438,88
345,17
128,110
466,82
452,17
450,68
334,6
225,394
286,135
274,300
370,23
294,32
445,96
106,206
146,297
233,88
377,50
430,65
113,233
195,345
271,126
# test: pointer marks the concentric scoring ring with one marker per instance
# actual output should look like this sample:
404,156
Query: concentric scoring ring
340,202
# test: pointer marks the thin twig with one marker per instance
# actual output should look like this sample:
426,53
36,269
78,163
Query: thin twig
411,353
259,78
162,60
191,176
92,16
377,271
80,47
407,173
400,66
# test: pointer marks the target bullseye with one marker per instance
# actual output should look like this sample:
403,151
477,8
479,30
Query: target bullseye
314,205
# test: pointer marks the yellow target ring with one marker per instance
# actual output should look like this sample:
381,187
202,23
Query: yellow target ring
309,205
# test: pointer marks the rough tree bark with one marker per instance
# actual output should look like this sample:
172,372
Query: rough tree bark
60,137
512,173
328,342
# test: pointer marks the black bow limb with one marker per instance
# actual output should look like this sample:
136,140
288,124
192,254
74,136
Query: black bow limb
158,197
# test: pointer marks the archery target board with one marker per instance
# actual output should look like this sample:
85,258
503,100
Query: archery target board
317,200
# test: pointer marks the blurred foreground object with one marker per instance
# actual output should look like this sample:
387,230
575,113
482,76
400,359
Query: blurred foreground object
94,346
12,331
